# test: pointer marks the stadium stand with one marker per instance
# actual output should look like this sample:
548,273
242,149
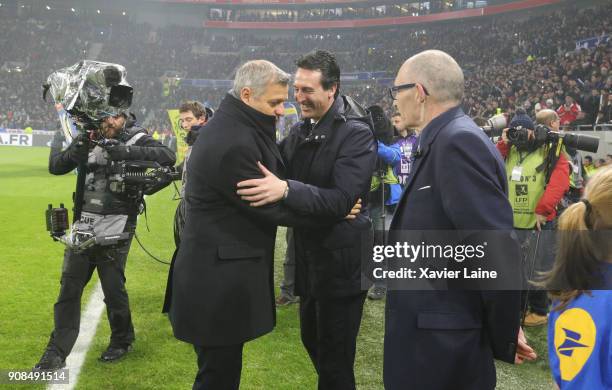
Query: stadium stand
510,60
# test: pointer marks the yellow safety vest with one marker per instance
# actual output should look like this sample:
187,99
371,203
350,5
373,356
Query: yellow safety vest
389,178
590,170
526,190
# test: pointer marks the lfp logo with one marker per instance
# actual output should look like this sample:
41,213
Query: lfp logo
574,341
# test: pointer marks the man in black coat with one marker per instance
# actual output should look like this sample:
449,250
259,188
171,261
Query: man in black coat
221,292
330,158
446,339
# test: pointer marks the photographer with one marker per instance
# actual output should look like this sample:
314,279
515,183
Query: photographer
538,177
105,211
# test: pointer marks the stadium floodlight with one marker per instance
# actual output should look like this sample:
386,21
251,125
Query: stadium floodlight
98,11
48,8
123,13
72,9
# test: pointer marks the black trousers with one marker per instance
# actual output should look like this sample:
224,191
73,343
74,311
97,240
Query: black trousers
76,273
219,368
329,329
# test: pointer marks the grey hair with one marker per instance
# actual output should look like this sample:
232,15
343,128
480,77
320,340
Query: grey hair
439,73
257,75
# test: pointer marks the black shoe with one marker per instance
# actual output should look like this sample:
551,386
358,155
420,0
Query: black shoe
114,353
376,293
50,361
285,300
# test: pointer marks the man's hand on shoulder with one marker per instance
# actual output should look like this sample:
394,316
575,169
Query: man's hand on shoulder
260,192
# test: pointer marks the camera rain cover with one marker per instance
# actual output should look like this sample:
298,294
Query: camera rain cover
90,90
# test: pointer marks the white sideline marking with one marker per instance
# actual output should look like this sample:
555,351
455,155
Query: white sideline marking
89,323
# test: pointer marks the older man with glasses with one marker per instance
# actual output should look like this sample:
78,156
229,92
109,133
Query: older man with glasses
443,339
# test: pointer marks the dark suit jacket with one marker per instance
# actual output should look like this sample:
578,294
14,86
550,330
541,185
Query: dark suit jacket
221,290
332,164
448,339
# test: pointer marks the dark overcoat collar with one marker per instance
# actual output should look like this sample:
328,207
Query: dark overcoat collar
263,124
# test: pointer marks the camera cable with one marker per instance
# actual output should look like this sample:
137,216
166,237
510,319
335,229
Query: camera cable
144,211
149,253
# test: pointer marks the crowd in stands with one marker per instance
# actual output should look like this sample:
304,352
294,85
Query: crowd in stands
316,14
354,11
29,52
508,61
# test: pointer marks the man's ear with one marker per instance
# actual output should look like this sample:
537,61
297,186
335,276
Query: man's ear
418,98
246,94
332,91
420,93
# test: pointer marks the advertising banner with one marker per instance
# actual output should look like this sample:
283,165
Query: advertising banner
9,139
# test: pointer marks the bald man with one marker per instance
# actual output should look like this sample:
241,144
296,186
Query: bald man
447,339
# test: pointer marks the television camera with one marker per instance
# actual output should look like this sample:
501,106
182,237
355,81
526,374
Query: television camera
89,92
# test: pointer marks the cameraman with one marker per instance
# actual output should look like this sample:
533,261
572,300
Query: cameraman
106,212
538,177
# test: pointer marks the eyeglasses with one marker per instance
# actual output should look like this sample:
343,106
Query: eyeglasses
394,90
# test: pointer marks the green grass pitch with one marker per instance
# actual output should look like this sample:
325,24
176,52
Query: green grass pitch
29,284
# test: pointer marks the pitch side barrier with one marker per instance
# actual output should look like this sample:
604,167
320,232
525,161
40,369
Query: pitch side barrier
18,137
